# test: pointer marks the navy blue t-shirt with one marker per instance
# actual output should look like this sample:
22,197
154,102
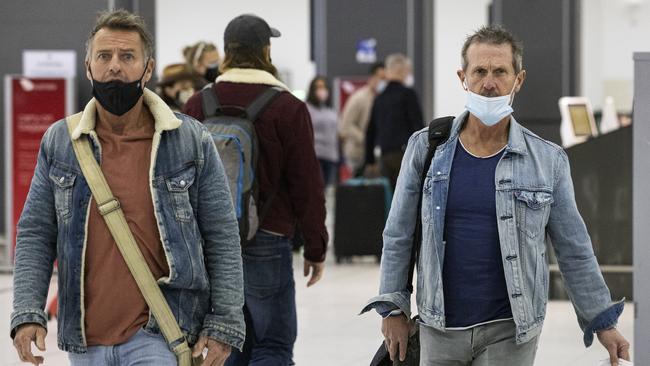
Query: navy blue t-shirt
473,281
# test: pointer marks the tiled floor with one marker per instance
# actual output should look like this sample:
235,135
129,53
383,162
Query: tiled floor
331,331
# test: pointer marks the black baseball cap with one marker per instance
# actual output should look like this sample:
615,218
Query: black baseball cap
249,30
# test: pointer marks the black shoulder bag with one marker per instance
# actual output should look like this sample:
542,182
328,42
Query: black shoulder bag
439,130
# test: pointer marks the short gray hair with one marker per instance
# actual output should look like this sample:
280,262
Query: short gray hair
496,35
396,61
122,20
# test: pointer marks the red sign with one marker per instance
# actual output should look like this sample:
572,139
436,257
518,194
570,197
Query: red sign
32,105
344,87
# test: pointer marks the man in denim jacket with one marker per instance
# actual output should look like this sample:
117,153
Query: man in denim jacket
492,195
164,169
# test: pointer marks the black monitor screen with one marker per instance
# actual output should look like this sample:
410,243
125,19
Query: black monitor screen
580,119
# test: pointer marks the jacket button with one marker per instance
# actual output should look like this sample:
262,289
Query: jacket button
182,183
62,179
437,207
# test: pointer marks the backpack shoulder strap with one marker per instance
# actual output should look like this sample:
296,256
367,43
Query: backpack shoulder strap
439,130
261,102
209,101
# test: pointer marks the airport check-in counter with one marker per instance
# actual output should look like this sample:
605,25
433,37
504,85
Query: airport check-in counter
601,168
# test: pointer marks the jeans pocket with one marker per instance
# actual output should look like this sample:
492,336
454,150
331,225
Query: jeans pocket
150,333
262,274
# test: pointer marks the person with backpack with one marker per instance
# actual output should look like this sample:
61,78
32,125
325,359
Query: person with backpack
132,200
488,197
287,187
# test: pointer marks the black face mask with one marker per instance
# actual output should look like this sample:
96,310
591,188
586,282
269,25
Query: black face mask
211,73
116,96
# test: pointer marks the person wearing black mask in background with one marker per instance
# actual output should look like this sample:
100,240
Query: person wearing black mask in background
176,86
203,60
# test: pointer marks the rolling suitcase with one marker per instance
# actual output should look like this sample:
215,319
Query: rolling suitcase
362,207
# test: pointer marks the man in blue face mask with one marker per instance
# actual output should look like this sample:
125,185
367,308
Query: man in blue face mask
493,195
166,176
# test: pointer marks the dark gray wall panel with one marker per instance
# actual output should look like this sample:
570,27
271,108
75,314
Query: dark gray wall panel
550,33
51,24
348,22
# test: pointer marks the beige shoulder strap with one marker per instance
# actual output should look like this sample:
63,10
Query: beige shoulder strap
109,208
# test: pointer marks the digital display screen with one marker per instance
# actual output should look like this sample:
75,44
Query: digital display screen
580,119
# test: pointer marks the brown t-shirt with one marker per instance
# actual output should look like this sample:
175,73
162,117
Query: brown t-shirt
115,309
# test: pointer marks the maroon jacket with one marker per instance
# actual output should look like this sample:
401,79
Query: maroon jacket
286,160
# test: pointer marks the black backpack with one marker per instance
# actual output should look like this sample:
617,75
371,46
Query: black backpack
236,141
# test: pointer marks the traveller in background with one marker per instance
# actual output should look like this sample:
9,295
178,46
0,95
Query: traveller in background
395,115
203,59
176,86
324,119
179,211
495,196
290,183
355,118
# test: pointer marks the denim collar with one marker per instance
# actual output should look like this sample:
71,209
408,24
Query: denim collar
163,116
516,141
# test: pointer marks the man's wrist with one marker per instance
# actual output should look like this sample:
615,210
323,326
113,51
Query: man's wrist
611,327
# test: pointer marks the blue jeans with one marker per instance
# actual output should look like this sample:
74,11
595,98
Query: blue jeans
270,303
328,169
143,348
490,344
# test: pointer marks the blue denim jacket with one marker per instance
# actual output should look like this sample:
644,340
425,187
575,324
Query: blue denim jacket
195,217
535,202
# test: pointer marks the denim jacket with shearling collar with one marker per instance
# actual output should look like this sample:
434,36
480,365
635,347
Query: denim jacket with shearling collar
195,216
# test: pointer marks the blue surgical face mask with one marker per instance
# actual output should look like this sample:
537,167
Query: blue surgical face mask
490,110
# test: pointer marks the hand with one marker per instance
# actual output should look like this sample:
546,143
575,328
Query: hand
317,269
217,352
396,335
25,335
615,344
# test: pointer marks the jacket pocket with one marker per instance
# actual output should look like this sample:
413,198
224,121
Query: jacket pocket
540,296
532,209
63,185
177,186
